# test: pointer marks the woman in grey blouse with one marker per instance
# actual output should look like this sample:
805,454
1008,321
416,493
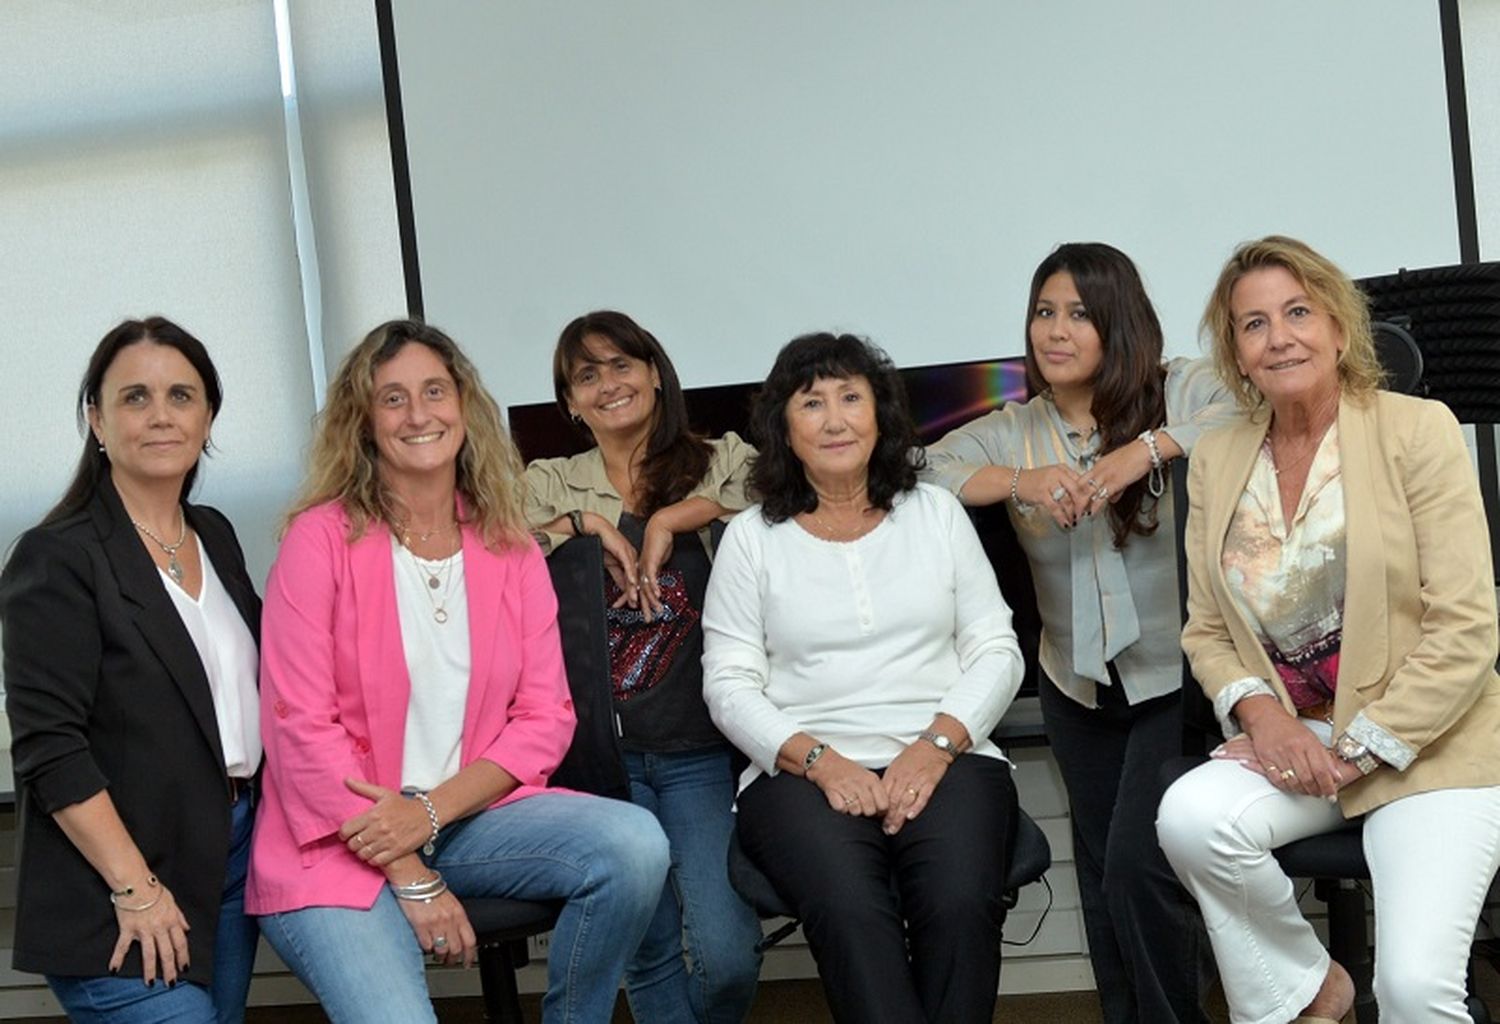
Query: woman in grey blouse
1081,468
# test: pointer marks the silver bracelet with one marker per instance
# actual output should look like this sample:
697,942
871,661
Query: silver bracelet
431,843
1156,481
1015,498
813,754
424,890
116,895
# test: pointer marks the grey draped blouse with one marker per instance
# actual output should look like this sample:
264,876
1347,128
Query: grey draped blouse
1097,603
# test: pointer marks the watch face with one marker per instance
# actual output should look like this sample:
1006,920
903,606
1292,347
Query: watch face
1349,749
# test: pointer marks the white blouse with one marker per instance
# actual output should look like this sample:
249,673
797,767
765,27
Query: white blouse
858,644
437,661
230,661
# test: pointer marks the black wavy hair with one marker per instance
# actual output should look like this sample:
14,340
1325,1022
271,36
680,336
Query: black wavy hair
777,477
93,464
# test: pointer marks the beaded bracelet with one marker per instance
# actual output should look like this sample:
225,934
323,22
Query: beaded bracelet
1015,498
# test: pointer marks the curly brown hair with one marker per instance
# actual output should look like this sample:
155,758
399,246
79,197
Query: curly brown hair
344,466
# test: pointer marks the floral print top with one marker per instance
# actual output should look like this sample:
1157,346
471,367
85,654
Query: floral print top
1288,580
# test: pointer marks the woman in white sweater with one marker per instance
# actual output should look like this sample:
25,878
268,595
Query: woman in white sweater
858,650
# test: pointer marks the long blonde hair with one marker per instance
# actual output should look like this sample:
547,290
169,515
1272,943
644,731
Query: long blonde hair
1329,288
344,466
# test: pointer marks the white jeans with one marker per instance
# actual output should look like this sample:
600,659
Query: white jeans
1431,859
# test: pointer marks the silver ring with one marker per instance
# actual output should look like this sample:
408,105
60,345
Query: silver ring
439,942
1059,492
850,801
1101,494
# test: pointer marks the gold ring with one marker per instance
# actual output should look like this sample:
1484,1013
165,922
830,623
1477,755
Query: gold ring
360,838
1289,773
912,790
1271,767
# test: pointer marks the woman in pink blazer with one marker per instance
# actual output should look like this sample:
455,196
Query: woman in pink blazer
414,705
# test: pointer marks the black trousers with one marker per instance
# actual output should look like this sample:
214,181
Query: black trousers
904,928
1143,928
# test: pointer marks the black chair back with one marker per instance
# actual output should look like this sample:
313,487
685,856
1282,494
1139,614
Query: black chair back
593,763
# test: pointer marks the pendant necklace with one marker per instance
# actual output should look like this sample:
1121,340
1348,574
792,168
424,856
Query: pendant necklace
437,576
174,567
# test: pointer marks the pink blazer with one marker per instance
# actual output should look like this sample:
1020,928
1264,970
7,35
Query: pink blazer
334,691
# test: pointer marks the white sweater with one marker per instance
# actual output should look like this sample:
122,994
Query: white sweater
858,644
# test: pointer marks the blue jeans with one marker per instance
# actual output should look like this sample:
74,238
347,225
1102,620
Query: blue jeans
699,914
111,1000
606,858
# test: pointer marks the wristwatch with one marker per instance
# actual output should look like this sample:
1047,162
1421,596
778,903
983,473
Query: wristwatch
940,741
1356,753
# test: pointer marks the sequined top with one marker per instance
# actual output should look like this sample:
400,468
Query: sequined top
1098,603
1288,580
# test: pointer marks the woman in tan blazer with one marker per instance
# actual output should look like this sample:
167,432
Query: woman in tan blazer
1335,511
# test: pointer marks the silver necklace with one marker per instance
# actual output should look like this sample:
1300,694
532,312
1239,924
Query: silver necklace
174,567
442,576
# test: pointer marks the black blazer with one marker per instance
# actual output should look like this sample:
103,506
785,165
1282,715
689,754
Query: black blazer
105,689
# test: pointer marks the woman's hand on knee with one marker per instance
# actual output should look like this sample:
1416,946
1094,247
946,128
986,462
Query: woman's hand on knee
159,927
850,788
910,782
1291,758
442,928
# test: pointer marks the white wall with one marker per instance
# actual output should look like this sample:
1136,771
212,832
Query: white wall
733,174
1480,21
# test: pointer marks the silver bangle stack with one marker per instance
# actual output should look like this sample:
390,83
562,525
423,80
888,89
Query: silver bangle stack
423,890
1156,482
431,843
1015,499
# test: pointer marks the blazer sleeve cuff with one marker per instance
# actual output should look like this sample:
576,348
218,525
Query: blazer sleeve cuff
1232,694
66,783
1381,742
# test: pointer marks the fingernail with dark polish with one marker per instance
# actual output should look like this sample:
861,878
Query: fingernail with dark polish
114,970
172,983
151,983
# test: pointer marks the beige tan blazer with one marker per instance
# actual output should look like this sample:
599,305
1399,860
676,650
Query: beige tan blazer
1419,636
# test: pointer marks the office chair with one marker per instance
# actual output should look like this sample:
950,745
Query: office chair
592,765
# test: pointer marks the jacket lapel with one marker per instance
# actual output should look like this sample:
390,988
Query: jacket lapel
484,587
1364,662
384,679
1231,476
153,612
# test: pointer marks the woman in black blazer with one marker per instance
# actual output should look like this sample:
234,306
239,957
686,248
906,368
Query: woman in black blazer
130,639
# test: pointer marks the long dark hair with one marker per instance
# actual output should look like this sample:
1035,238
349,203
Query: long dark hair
676,458
777,476
93,464
1130,384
